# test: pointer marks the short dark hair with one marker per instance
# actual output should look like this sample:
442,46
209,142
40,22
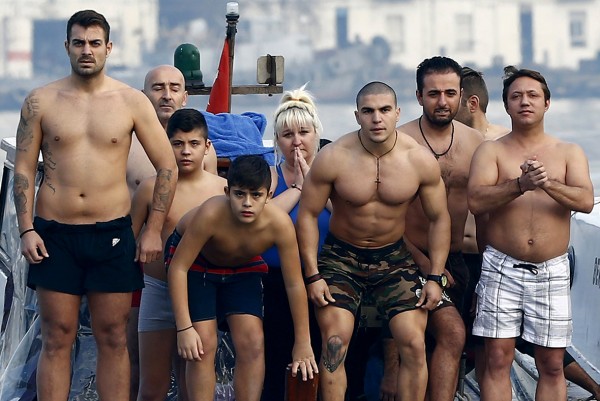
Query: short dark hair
187,120
511,73
250,172
474,84
87,18
376,88
436,64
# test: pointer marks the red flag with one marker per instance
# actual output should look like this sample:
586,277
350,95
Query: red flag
218,102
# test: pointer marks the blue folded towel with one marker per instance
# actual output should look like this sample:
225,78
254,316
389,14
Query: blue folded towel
235,135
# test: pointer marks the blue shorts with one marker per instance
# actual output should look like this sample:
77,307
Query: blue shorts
216,296
87,257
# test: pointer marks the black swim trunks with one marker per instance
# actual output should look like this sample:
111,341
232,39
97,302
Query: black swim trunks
87,257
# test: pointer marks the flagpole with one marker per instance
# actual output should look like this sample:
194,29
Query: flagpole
232,17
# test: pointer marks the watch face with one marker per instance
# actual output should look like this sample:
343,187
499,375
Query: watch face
444,280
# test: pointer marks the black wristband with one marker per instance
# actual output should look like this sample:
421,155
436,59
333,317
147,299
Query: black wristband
187,328
26,231
519,184
311,279
296,187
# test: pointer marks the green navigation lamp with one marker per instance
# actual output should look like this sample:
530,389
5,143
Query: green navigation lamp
187,60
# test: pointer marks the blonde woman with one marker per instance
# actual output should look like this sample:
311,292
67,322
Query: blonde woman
296,139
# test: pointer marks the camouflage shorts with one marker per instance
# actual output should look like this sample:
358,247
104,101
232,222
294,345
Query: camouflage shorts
387,275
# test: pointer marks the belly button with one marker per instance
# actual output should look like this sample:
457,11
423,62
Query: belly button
57,138
530,242
137,182
82,195
114,140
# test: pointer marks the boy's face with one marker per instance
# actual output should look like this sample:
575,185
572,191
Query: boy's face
247,204
189,149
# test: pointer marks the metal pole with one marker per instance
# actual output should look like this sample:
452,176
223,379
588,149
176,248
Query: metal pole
232,17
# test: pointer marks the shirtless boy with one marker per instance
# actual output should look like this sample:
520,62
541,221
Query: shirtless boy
364,251
165,87
188,134
80,242
215,274
528,182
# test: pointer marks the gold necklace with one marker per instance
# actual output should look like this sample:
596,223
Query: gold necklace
377,181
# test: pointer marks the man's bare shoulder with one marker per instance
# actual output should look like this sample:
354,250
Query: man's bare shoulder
420,158
568,148
464,131
336,152
407,141
125,91
492,148
49,92
410,128
495,131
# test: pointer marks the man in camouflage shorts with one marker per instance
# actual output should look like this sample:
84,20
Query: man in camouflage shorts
364,253
388,274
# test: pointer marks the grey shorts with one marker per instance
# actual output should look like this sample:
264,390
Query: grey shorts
156,310
514,294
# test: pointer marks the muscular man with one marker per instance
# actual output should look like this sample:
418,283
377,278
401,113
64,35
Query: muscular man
452,143
364,251
81,242
528,182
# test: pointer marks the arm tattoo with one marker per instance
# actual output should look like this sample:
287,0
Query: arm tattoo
20,186
162,190
24,131
334,357
49,165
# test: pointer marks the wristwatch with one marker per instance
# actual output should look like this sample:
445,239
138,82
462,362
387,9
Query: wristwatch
442,279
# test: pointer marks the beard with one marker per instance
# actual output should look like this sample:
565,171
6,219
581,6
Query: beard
440,121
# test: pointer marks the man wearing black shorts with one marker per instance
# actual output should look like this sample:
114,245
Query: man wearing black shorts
81,241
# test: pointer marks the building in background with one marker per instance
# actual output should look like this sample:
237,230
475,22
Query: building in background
335,44
32,33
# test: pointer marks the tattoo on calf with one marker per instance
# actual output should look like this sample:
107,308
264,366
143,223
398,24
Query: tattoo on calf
20,186
334,356
162,190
